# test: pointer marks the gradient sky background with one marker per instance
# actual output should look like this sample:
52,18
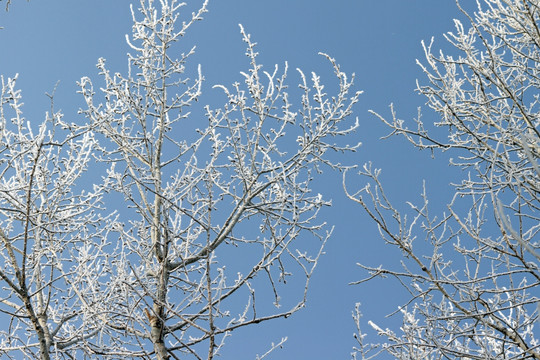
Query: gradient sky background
46,41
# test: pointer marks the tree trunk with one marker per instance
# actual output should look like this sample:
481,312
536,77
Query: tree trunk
157,318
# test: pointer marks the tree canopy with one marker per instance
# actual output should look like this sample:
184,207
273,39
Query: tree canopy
473,272
160,224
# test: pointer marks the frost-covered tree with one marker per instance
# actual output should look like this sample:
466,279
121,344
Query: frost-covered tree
49,231
473,274
156,228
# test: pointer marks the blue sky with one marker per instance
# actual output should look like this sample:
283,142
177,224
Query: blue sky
47,41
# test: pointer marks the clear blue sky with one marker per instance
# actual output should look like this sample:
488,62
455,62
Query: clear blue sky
46,41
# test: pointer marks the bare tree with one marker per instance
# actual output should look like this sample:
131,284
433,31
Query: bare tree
49,230
191,222
474,279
